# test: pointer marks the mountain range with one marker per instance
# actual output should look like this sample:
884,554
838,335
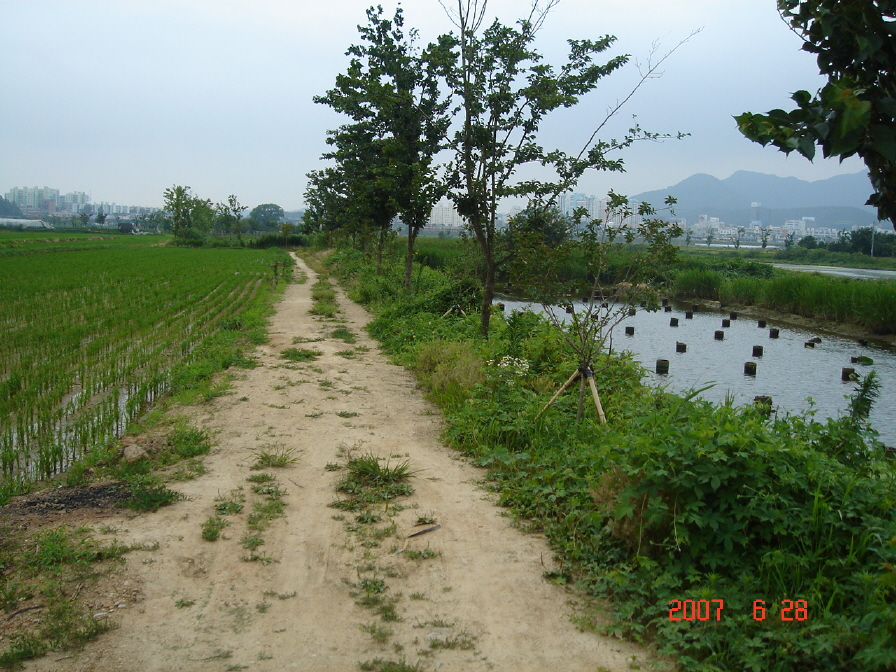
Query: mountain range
837,202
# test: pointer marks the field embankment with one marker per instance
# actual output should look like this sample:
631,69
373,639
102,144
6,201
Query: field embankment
733,539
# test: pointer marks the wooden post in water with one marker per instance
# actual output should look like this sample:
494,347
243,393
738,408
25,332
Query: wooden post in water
662,366
673,322
757,350
629,331
764,403
689,315
720,335
749,368
773,333
761,324
681,347
726,323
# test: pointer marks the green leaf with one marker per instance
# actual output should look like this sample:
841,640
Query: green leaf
884,141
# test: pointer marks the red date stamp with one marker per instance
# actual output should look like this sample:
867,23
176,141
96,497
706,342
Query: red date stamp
711,610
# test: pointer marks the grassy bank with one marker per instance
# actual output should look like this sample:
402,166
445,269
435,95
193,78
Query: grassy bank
867,303
775,537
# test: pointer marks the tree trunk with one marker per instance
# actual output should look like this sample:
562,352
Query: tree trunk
379,251
488,295
409,260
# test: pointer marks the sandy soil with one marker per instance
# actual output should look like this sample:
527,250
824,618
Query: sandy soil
480,604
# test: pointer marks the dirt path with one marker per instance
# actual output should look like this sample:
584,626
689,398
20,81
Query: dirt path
480,603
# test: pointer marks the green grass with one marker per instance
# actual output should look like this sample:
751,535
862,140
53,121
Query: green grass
674,498
274,456
300,355
344,334
212,527
49,568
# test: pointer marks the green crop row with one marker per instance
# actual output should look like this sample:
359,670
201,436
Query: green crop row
92,337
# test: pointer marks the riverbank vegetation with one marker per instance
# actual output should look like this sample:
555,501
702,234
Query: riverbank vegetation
731,538
867,303
733,280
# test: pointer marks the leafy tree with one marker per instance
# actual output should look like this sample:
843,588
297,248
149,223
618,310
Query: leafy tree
620,253
543,225
504,92
855,112
286,229
230,216
189,215
764,233
85,218
268,215
202,215
9,209
364,168
808,242
710,236
326,201
788,240
391,92
100,217
178,204
740,232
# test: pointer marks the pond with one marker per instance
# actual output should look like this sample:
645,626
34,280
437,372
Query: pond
788,371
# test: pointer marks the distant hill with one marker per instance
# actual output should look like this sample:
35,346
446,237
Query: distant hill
837,202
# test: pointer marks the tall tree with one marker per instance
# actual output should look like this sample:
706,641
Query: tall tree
391,93
178,205
268,215
505,91
855,112
230,215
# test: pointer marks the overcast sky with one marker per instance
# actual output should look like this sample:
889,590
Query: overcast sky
124,98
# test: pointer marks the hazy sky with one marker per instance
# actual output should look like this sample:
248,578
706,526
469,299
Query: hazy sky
124,98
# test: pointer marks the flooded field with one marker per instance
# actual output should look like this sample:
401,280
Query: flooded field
797,377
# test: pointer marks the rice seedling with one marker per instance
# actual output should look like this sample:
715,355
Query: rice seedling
90,346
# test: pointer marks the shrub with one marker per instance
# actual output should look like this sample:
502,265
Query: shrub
449,371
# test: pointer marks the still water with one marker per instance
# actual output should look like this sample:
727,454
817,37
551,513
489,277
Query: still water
787,371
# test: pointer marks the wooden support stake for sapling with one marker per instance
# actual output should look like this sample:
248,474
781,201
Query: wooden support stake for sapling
556,396
587,375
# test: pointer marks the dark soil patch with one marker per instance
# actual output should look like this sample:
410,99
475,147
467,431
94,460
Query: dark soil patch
56,505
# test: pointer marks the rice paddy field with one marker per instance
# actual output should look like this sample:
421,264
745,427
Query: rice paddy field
93,329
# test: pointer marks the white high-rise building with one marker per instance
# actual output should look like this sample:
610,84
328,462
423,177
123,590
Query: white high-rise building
445,217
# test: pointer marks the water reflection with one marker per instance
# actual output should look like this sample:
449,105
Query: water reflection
787,371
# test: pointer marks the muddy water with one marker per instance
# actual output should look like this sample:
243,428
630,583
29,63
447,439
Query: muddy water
797,378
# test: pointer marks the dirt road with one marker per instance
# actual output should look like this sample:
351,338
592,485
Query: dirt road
468,596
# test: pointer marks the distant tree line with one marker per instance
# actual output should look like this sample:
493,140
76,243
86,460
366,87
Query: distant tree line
865,241
476,96
9,209
193,219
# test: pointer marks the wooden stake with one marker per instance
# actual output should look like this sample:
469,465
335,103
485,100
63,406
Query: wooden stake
566,385
597,405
